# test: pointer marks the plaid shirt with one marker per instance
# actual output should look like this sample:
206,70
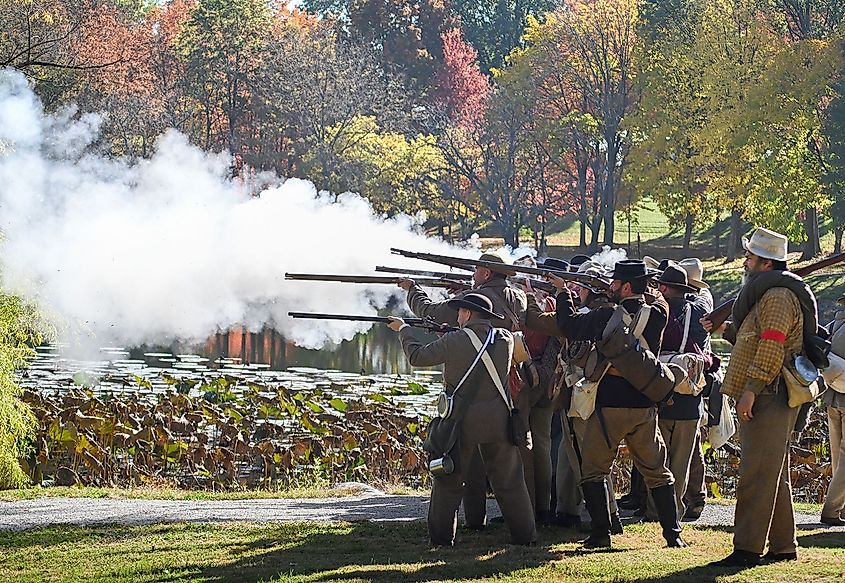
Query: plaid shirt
771,330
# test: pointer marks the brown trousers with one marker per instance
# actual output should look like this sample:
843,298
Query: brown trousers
568,471
502,464
764,494
537,461
834,502
696,493
638,427
679,437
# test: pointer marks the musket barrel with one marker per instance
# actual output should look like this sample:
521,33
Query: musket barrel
374,279
414,322
723,311
425,273
587,280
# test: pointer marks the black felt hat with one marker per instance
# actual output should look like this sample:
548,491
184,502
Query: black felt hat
579,259
675,276
477,303
631,269
556,264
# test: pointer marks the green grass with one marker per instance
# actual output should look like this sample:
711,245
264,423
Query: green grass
647,221
383,552
167,493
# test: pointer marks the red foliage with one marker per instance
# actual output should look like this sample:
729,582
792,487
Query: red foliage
460,87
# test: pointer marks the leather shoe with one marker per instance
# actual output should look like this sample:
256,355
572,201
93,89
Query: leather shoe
832,521
597,541
567,520
738,559
771,557
692,513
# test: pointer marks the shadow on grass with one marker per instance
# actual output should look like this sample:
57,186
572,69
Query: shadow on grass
824,540
388,552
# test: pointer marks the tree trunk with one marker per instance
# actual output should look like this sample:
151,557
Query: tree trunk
733,239
582,211
542,248
837,239
594,237
609,205
511,235
812,246
690,220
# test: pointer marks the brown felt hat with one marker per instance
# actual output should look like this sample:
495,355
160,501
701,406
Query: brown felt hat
494,258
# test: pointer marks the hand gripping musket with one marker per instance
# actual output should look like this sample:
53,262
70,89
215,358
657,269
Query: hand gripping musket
595,283
425,324
723,312
379,279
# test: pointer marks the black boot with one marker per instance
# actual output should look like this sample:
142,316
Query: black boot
615,524
596,500
667,514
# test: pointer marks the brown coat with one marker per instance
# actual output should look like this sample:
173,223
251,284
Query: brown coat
506,301
487,416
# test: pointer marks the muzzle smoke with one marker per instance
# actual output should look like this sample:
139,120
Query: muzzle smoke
133,252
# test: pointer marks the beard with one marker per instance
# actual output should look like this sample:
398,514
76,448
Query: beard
615,296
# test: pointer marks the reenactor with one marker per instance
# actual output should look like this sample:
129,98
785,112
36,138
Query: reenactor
509,304
622,412
480,406
773,318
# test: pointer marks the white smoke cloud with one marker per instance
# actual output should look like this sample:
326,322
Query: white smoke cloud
171,247
609,257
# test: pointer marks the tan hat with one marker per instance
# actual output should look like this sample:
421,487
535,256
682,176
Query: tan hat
695,270
526,261
650,262
496,258
592,268
767,244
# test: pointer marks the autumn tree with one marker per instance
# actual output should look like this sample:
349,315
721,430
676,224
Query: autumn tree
495,27
222,43
42,38
311,88
833,153
666,161
404,34
583,55
806,21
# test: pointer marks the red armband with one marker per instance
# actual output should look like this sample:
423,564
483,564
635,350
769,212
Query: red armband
775,335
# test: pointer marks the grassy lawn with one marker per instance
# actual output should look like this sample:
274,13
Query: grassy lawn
383,552
168,493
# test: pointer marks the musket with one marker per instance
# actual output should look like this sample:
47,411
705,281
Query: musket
596,283
439,274
378,279
425,324
723,312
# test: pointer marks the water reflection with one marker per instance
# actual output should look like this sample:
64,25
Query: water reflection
376,352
